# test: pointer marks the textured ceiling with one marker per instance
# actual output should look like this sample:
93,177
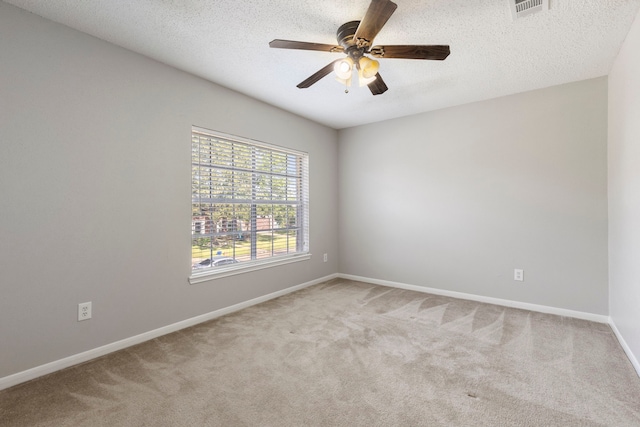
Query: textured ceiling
226,42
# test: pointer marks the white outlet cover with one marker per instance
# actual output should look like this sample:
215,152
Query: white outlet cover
518,275
84,311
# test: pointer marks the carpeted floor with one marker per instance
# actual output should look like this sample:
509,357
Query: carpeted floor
349,354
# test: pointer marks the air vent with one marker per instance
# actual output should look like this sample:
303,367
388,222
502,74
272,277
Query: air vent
522,8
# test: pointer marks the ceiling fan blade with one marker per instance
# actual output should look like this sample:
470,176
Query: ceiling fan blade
377,15
318,75
290,44
437,52
378,87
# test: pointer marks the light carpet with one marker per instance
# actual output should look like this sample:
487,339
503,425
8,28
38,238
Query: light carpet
346,353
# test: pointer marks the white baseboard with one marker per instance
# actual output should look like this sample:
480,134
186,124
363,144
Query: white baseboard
625,347
38,371
497,301
508,303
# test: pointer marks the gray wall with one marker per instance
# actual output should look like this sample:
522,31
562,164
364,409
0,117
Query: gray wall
95,191
624,191
456,199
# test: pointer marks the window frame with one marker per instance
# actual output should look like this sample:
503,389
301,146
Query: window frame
302,202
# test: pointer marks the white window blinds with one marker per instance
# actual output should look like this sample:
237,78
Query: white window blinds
250,202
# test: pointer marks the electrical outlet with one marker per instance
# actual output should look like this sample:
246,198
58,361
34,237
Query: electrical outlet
84,311
518,275
325,258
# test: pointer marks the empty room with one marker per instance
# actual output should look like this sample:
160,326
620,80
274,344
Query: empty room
319,213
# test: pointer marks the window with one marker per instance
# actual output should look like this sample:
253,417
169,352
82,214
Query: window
250,205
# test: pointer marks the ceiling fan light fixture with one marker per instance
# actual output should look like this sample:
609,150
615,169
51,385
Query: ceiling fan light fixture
346,82
364,81
343,68
368,67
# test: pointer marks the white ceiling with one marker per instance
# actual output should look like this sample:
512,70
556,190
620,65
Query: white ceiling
226,42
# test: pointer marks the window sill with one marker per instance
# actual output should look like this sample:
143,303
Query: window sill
219,273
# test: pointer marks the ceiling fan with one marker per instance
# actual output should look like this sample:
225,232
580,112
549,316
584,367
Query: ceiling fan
355,39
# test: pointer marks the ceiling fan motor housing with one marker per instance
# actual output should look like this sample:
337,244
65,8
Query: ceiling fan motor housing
346,40
346,32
